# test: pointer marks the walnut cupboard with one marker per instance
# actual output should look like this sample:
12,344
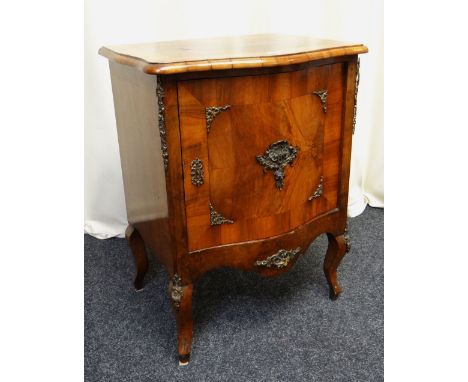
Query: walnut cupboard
235,152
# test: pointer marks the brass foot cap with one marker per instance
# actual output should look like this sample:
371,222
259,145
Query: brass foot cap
184,359
138,285
334,295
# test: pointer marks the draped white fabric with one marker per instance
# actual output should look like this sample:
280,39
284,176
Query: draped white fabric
110,22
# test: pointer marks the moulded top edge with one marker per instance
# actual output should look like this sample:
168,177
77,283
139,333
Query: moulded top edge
253,51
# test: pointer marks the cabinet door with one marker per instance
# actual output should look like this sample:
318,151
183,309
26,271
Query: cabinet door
261,153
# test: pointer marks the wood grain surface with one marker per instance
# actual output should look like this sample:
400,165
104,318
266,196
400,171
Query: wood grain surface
262,110
253,51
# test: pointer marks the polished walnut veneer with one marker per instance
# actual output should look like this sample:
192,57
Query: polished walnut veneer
235,152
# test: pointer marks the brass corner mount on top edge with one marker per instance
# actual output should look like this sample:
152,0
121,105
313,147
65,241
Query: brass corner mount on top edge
211,113
322,94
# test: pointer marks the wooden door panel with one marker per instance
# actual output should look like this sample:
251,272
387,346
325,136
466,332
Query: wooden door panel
258,111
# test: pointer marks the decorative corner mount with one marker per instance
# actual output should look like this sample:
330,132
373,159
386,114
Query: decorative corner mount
211,113
318,191
322,94
196,172
176,290
216,218
279,260
161,121
276,157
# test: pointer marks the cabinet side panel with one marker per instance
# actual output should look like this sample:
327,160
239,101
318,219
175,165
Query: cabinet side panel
347,138
136,113
174,175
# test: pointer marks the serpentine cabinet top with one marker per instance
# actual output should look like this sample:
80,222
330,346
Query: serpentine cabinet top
252,51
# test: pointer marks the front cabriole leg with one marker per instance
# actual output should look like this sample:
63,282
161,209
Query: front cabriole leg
181,296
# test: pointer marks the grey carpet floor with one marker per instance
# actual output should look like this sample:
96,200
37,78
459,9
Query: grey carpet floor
246,327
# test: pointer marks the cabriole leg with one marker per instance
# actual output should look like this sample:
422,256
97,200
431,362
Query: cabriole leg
337,248
137,246
181,296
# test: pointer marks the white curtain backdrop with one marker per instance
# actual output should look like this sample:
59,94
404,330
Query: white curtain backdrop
110,22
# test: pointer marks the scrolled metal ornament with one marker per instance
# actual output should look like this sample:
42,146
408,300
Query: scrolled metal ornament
196,172
279,260
322,94
277,156
176,291
318,191
211,113
216,218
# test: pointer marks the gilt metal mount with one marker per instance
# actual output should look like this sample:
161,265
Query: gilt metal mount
279,260
318,191
176,290
211,113
216,218
322,94
358,64
161,121
276,157
196,172
347,239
